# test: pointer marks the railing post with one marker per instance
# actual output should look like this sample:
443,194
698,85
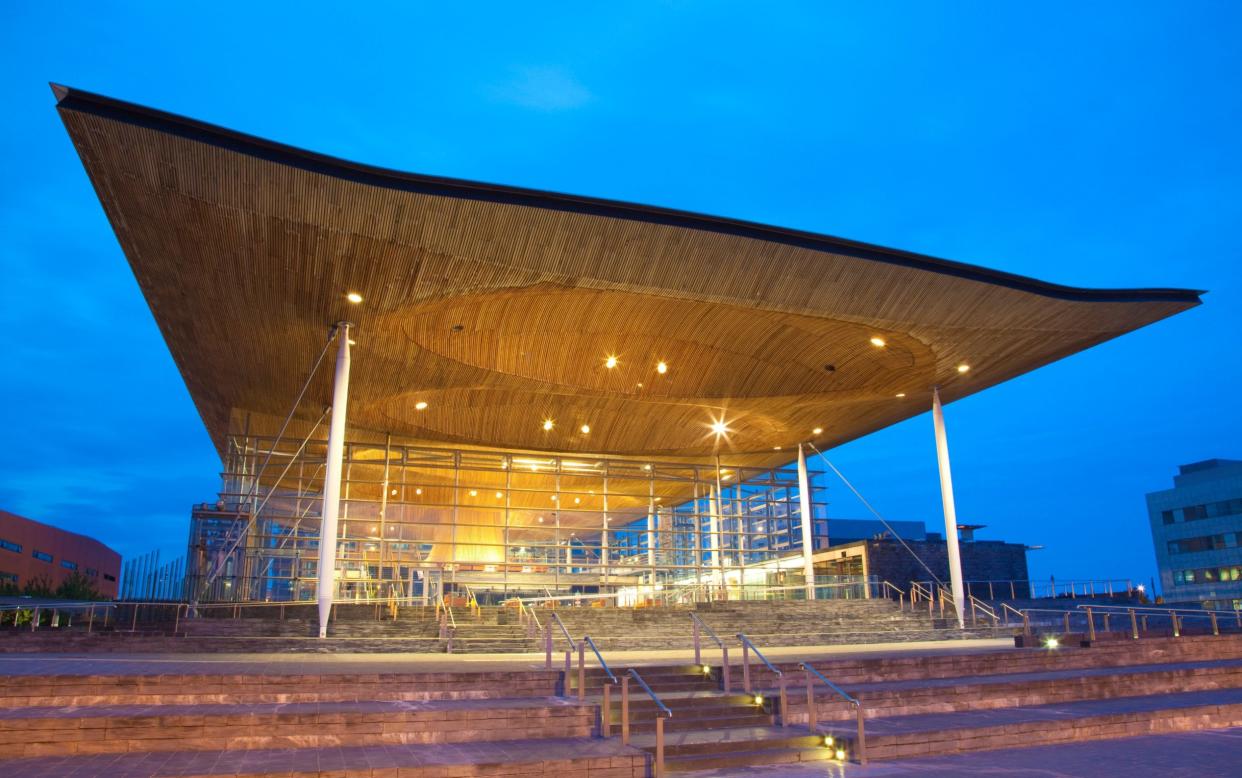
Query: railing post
625,710
1215,627
698,655
133,627
1090,626
991,593
605,713
1013,596
569,671
659,754
1177,632
784,703
547,645
1067,617
34,621
812,715
1133,624
1026,624
725,672
745,668
90,621
1144,622
581,671
862,737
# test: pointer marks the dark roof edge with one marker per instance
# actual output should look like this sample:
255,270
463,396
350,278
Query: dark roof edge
89,102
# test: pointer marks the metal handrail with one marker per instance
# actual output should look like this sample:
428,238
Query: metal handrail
812,715
530,614
600,657
746,642
710,632
841,692
1152,609
659,703
564,631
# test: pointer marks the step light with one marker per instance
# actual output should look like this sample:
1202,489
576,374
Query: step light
828,741
758,699
840,755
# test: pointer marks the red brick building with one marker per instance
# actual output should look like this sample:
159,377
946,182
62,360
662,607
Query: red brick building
30,549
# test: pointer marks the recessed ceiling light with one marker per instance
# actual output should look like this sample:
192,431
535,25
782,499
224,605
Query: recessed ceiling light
554,498
720,428
540,519
661,367
962,368
610,362
548,424
586,429
394,492
817,431
901,394
499,495
659,498
421,405
577,501
353,342
418,491
879,342
354,297
474,492
776,448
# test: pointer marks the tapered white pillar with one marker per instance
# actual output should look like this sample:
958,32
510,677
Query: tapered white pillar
950,512
808,534
332,481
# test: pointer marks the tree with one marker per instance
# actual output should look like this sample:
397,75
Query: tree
77,587
39,586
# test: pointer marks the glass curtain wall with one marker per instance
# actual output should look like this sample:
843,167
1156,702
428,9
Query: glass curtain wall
418,522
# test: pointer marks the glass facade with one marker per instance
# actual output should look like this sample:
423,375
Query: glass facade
417,521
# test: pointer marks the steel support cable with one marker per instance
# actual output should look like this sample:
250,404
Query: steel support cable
876,513
297,524
255,515
258,477
293,410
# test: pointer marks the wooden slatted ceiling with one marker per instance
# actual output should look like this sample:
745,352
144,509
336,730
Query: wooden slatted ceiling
245,251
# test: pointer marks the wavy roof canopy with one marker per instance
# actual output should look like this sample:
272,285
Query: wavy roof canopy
497,306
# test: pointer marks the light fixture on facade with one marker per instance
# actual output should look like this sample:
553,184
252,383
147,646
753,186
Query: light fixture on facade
421,405
586,429
548,424
610,362
962,368
879,342
354,297
661,367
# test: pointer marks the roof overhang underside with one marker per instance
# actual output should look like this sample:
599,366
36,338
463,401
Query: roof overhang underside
497,306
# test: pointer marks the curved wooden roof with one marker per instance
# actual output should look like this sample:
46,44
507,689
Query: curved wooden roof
497,306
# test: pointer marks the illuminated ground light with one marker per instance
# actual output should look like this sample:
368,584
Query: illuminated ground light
707,670
828,740
758,699
840,754
1051,642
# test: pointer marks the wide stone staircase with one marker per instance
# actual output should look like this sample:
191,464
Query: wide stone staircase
372,716
495,629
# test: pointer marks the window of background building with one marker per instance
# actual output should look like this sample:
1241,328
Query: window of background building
65,563
9,545
42,556
109,577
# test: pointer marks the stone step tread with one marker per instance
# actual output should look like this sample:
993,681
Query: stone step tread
1010,717
756,735
878,687
578,756
461,707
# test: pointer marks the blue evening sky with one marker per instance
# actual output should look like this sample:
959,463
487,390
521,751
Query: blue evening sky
1093,144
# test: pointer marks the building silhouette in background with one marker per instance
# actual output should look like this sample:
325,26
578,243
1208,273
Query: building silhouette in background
31,550
1196,528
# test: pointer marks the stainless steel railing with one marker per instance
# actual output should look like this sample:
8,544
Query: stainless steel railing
812,715
747,647
700,627
663,712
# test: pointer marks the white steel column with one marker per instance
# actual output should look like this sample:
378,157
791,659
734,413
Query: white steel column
950,512
332,481
808,534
